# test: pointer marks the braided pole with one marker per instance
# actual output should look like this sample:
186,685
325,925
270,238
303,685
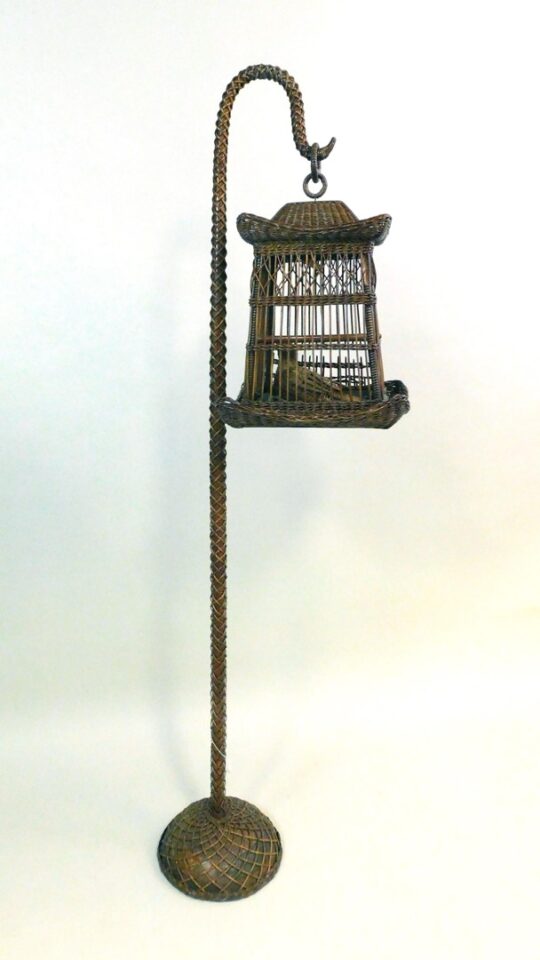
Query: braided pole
218,490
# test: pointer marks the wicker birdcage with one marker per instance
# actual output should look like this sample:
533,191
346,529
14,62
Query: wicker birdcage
313,354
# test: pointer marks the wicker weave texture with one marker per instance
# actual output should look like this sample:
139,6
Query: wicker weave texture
328,220
218,350
220,858
222,848
380,415
313,329
323,215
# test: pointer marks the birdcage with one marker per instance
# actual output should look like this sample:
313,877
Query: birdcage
313,355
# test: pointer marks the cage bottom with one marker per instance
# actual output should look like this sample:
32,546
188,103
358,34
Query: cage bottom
377,414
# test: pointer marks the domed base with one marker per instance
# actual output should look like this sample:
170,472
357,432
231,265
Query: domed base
220,858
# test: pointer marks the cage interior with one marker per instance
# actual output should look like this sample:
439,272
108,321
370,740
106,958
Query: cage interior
313,329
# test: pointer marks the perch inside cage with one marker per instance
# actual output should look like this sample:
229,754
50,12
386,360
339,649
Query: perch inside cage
313,355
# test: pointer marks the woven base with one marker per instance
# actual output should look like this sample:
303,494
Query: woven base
220,858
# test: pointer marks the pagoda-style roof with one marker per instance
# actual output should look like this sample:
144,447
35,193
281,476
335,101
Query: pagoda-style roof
318,221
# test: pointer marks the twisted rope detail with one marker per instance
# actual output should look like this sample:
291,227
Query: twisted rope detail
218,488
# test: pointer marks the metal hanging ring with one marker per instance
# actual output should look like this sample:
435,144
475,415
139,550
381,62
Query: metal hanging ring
322,189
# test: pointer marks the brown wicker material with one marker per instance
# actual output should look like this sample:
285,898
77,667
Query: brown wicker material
381,415
173,845
220,858
313,266
313,355
328,221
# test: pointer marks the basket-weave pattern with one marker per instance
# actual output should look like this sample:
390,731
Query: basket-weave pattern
331,220
378,414
222,848
323,215
220,858
313,356
218,350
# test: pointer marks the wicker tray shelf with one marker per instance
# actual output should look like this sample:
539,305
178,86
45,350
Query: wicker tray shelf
378,414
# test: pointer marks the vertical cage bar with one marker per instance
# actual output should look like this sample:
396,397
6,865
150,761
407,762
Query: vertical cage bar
371,324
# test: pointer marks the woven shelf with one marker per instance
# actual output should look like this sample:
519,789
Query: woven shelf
378,414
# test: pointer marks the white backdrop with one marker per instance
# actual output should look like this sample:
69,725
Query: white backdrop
384,663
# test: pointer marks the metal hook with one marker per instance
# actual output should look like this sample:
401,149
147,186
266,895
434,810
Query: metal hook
325,152
315,162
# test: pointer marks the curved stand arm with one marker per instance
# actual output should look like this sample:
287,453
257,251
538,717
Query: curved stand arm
219,199
218,505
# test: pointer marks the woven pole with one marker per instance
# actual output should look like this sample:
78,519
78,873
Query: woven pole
218,455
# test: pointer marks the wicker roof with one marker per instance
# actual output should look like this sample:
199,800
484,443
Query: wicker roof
323,220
